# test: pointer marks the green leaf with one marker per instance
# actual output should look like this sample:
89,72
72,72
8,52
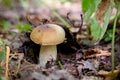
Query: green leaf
24,27
6,25
2,42
86,5
2,55
92,9
98,31
106,21
108,35
25,3
95,29
6,3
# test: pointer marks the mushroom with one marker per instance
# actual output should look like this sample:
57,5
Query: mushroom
48,36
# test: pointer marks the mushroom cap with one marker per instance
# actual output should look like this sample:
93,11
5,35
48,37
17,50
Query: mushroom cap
48,34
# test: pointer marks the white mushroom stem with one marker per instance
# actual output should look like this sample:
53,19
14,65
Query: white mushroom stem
47,53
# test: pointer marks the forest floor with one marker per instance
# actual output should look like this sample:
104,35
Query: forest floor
78,58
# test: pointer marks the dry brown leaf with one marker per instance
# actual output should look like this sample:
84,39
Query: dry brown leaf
35,20
95,53
86,65
108,75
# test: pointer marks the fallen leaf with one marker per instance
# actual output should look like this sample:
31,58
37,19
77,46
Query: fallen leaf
91,53
85,65
108,74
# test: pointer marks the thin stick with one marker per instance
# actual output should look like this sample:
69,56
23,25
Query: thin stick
68,19
7,60
80,29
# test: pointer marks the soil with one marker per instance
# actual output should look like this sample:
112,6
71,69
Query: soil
72,61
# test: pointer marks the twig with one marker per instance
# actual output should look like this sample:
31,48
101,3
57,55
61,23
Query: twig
18,67
19,61
7,60
80,28
72,22
68,19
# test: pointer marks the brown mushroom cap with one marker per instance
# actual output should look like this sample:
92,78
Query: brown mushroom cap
48,34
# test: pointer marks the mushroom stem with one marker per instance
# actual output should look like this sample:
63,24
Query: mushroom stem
47,53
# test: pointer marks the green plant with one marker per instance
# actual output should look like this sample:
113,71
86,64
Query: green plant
2,48
86,5
61,18
2,53
108,35
24,3
113,36
97,26
60,64
5,25
24,27
6,3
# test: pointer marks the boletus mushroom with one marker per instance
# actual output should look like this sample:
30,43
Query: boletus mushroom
48,36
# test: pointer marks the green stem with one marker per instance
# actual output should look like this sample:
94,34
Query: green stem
61,18
113,39
60,64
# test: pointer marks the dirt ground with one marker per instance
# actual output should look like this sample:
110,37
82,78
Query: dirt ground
78,58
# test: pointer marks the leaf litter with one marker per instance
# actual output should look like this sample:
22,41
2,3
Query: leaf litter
78,61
